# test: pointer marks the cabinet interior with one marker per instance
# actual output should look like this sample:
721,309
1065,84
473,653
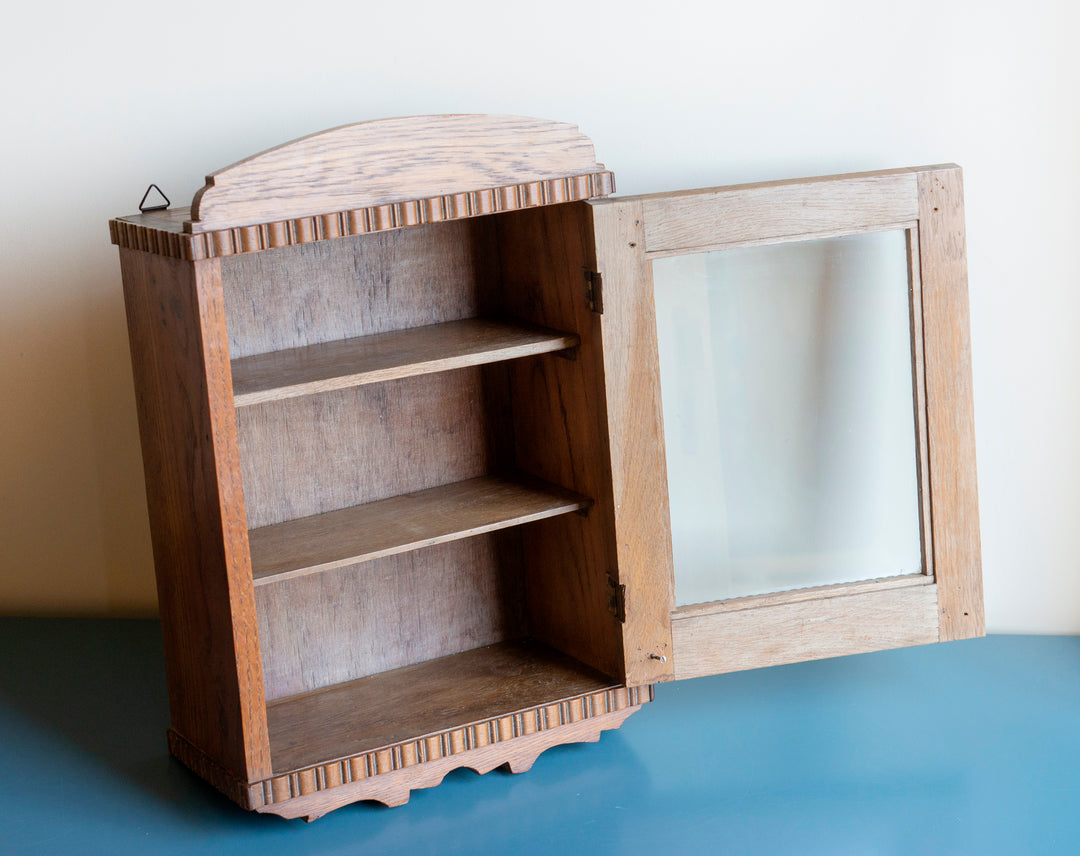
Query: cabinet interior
424,460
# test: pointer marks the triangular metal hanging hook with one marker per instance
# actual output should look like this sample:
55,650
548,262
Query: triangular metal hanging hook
144,207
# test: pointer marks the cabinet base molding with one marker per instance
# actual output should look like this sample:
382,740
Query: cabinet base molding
394,788
389,775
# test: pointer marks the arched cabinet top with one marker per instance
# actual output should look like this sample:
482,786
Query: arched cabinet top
388,161
372,176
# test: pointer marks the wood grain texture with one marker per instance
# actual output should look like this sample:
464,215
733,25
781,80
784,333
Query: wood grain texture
804,630
559,432
309,455
402,523
180,358
331,786
711,218
389,356
950,406
370,164
427,699
335,627
635,417
355,287
162,233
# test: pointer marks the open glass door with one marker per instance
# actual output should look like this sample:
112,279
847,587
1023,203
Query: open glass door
788,377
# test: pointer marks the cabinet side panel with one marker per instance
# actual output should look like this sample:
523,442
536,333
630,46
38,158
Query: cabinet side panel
180,358
560,432
954,502
638,467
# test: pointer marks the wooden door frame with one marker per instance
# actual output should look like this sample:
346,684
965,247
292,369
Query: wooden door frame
662,641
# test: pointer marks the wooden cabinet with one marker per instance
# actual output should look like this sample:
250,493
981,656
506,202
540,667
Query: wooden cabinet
400,404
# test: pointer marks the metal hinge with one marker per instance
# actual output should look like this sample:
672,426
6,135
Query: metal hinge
594,291
616,599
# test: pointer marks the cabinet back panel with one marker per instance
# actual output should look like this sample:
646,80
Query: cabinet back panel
318,453
352,622
338,289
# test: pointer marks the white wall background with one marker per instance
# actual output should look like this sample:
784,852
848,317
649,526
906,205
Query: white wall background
102,98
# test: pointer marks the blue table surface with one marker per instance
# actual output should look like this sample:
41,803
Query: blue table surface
966,747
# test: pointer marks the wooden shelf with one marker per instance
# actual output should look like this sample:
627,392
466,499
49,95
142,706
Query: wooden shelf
421,700
402,523
388,356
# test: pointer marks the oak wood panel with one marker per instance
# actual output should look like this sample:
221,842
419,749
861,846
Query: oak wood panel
375,163
423,699
333,785
638,467
401,523
388,356
348,623
313,454
180,360
950,407
804,630
769,210
560,432
370,284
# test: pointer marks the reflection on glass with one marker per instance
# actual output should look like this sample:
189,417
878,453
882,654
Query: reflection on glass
787,396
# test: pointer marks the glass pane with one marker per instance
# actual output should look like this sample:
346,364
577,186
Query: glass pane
788,418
